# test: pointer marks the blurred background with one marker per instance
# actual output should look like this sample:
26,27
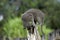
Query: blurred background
11,11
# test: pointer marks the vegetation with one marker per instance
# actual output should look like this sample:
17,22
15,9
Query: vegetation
14,28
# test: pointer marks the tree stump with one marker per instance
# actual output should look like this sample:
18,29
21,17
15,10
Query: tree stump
33,36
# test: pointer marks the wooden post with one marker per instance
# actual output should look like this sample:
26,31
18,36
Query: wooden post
51,36
34,36
57,34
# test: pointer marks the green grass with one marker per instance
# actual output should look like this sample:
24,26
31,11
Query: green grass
14,28
45,30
